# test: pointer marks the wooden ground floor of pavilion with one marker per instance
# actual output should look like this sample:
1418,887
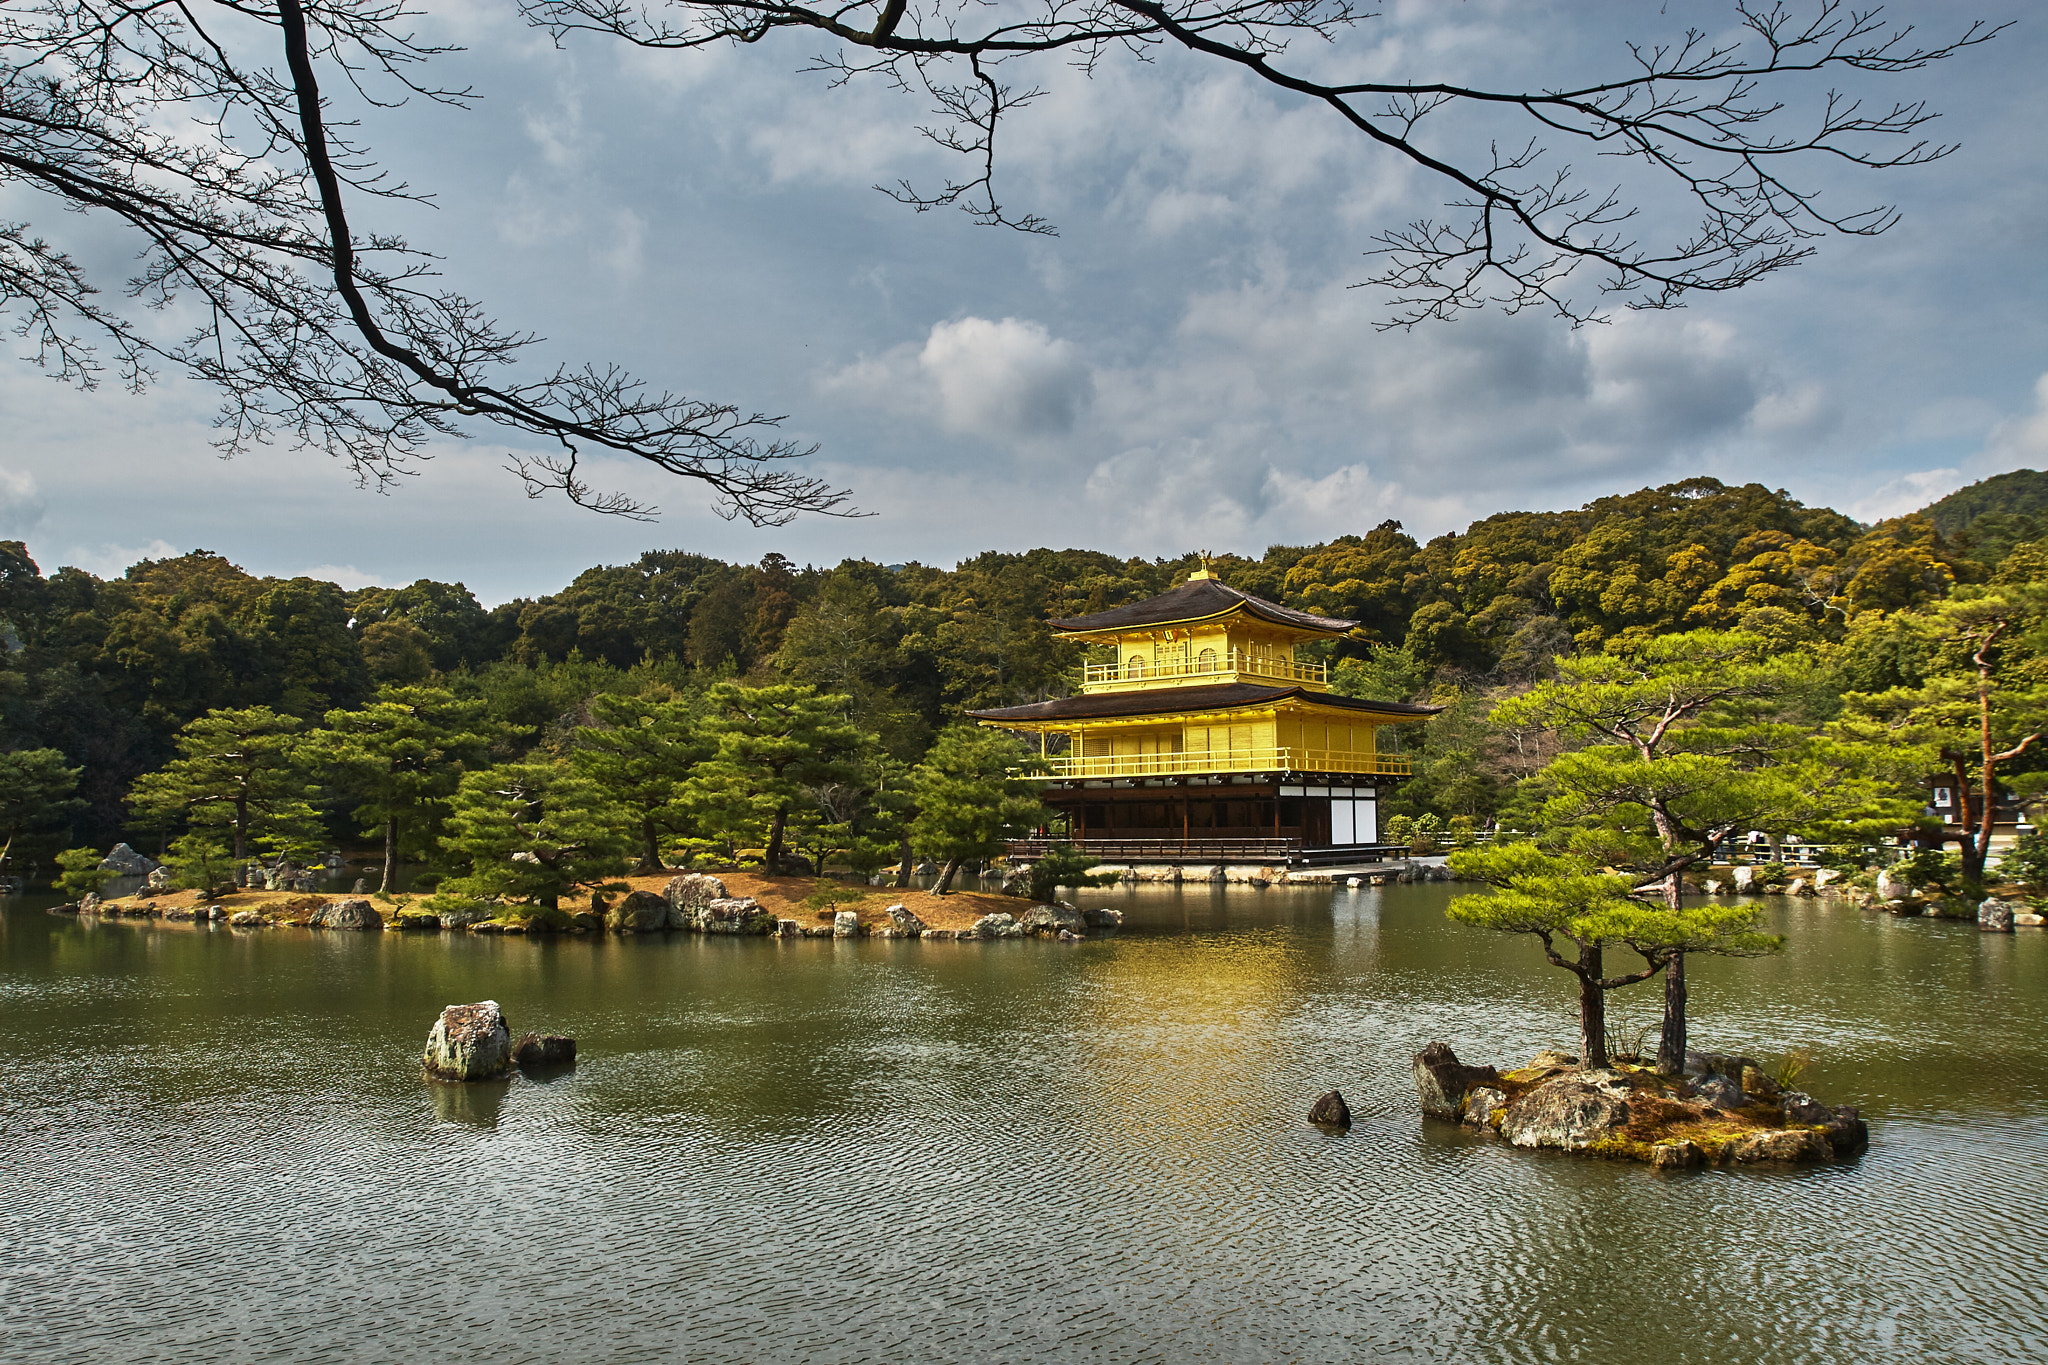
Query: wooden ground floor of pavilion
1216,818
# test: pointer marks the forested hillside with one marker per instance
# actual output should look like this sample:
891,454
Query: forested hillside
107,672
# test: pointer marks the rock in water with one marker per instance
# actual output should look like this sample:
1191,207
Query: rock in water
1718,1091
638,912
1441,1081
469,1043
1801,1108
1995,916
1780,1144
736,915
903,923
544,1051
845,924
1847,1131
1676,1155
127,862
1480,1104
1002,924
350,914
1571,1112
1104,918
687,896
1331,1110
1047,920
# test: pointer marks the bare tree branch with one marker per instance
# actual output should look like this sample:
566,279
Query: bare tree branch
1712,121
307,327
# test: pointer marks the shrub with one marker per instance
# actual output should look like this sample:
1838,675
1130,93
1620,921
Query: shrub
829,894
2026,862
1771,874
444,903
1848,859
1791,1067
1929,867
197,860
81,873
1062,866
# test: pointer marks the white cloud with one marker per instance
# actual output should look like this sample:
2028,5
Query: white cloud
347,575
108,560
21,506
2021,442
1004,378
1804,411
1183,364
1907,493
1002,381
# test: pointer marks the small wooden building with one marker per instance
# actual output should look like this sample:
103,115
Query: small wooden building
1205,739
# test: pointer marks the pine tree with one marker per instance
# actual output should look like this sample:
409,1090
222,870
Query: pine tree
969,792
642,754
533,831
772,743
1565,896
1686,742
236,770
402,756
35,791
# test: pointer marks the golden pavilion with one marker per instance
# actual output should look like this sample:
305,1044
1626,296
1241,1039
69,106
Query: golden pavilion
1206,739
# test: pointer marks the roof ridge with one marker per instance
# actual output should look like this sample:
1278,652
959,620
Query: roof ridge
1135,615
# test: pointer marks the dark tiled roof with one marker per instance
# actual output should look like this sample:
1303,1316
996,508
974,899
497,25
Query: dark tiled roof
1195,600
1173,700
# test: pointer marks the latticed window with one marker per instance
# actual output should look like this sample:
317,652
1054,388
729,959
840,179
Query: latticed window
1205,662
1134,667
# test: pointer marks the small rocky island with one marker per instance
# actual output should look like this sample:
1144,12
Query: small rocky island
1723,1110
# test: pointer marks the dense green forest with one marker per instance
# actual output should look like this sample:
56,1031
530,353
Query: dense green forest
108,674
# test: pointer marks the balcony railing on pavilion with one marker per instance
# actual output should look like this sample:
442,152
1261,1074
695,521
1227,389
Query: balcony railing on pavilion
1208,666
1179,850
1198,762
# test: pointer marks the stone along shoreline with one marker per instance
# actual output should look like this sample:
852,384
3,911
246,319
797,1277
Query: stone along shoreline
744,904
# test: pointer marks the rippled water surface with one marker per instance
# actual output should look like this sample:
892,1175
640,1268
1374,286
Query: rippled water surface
215,1146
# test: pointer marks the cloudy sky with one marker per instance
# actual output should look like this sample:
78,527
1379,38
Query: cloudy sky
1185,365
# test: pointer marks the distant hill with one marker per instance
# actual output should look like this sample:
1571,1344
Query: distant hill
1984,521
2023,492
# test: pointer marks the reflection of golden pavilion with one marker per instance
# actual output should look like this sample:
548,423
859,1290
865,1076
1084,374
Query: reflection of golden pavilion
1206,739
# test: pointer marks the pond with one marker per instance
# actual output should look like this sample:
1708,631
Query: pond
219,1148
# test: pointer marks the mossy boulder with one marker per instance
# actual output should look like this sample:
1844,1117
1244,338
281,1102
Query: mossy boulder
638,912
469,1043
736,915
1571,1112
358,915
688,895
1442,1081
544,1052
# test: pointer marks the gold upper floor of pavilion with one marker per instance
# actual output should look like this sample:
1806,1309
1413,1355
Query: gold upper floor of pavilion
1206,682
1203,631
